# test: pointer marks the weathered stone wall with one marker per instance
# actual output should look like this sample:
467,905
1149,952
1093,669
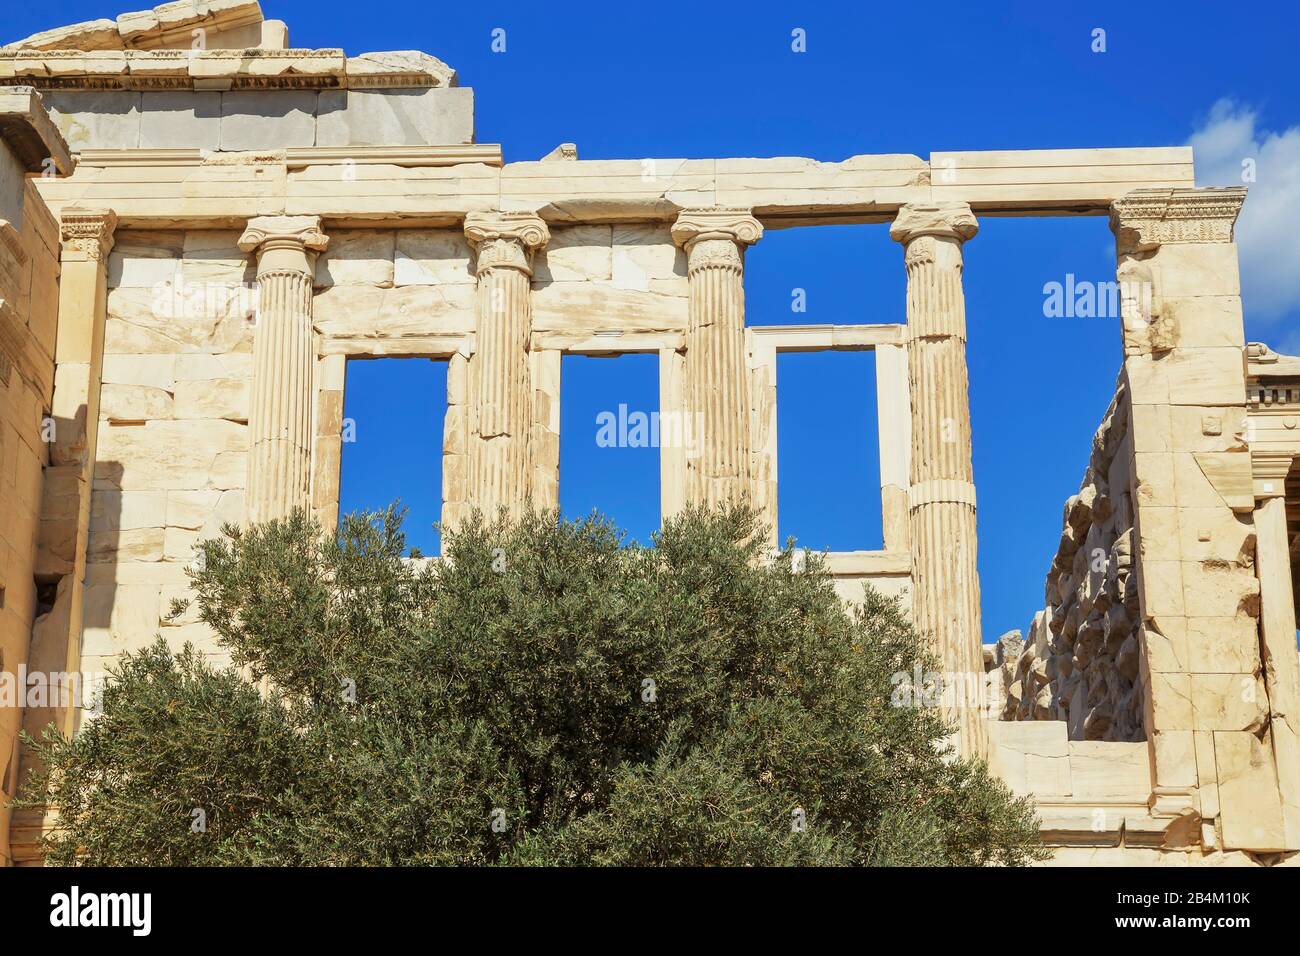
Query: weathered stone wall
403,291
1081,660
173,439
177,369
29,295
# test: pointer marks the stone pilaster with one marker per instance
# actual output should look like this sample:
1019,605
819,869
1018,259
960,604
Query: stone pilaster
941,496
1277,631
501,396
1206,703
280,415
717,381
87,237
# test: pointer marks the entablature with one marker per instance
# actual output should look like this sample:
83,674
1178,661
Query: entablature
438,185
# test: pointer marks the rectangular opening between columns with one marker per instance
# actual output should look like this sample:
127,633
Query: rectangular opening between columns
825,275
393,415
610,437
828,451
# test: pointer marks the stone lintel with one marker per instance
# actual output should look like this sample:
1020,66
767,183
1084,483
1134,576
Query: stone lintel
782,191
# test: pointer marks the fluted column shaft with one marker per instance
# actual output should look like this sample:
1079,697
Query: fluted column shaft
717,389
941,497
279,454
500,379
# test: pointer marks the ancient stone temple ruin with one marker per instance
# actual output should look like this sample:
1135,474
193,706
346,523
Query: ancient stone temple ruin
201,225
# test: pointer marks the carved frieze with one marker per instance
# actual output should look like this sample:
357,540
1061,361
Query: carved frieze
1148,218
87,232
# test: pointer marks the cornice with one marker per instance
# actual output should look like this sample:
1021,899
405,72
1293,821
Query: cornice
409,157
30,134
18,350
326,68
165,23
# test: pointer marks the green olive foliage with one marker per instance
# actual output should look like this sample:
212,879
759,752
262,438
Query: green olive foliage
543,696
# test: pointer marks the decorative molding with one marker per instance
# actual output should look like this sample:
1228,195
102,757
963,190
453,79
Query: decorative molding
565,152
941,490
301,157
505,240
410,157
87,232
1145,219
947,220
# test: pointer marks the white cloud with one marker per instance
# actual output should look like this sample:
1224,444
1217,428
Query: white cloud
1267,240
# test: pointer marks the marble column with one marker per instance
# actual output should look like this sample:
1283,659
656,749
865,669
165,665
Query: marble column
500,388
717,389
941,495
279,454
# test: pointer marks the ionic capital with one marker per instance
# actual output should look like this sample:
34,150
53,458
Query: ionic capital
505,240
284,243
946,220
715,236
1146,219
87,234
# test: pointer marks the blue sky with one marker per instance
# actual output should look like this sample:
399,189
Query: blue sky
703,80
